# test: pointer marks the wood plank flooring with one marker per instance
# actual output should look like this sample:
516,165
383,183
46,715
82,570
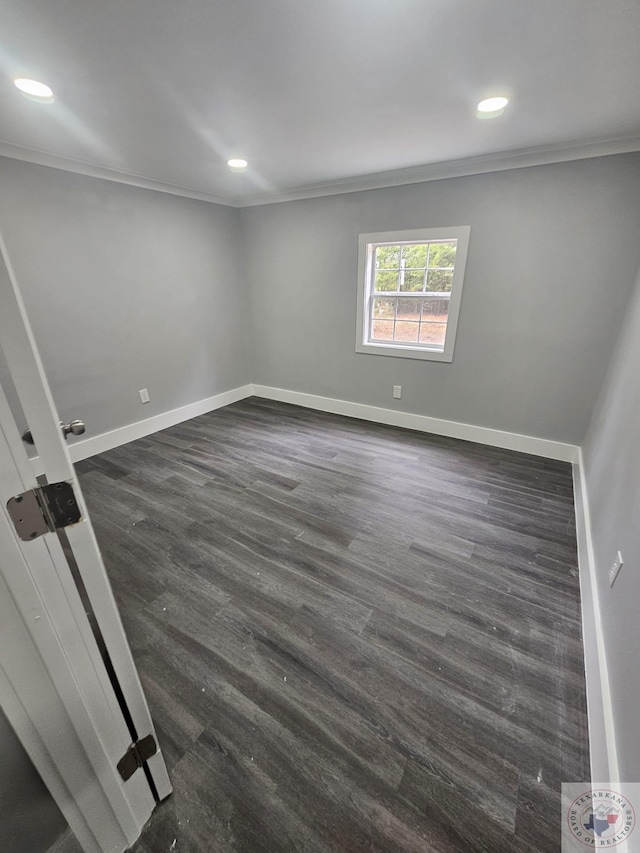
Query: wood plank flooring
352,637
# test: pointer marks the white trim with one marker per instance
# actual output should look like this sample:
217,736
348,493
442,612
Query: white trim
53,685
95,444
93,170
366,245
496,162
407,420
602,739
47,766
424,423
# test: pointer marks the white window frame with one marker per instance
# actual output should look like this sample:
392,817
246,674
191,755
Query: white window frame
366,246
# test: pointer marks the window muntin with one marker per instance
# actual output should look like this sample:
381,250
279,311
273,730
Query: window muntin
400,273
409,292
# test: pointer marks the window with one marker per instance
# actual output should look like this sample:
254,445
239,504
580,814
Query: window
409,291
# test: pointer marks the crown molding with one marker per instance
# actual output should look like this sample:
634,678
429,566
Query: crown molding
483,164
499,162
93,170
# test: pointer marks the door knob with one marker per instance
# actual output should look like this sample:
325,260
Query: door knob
75,427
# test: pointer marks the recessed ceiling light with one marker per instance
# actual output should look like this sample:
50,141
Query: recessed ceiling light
492,107
236,164
35,90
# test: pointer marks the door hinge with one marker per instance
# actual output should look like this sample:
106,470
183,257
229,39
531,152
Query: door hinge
136,755
43,510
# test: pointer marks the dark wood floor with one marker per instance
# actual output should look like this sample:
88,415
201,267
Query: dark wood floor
352,637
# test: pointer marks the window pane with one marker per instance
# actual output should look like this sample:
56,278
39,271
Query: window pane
412,281
435,309
407,332
386,280
414,256
382,330
409,309
442,254
439,281
387,257
407,289
433,327
384,309
433,334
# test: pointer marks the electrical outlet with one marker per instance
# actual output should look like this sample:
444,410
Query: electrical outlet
397,392
144,395
615,569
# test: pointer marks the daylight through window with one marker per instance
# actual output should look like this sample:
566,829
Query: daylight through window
410,292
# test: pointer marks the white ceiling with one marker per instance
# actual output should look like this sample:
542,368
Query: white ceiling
314,94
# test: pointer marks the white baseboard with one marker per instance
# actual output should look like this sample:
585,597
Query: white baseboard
604,755
424,423
93,445
122,435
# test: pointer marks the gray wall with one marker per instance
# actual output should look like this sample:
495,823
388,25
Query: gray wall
128,288
125,288
612,469
551,260
29,817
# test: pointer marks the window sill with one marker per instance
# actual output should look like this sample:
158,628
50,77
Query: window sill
405,352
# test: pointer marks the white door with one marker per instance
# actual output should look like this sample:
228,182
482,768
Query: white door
74,720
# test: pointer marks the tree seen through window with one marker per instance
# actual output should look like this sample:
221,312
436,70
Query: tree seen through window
412,268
